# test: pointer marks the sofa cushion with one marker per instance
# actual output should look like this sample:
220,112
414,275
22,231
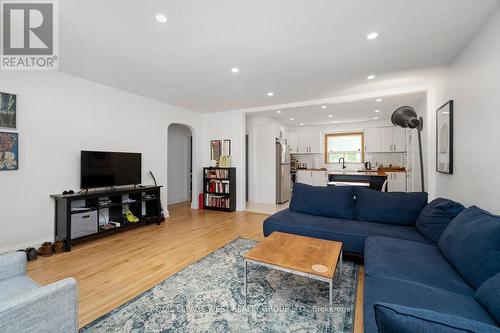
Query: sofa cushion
412,261
436,216
489,296
392,318
14,287
351,233
471,243
412,294
327,201
388,207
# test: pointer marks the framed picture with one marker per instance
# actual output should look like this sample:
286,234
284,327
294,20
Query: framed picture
7,110
9,151
444,138
215,147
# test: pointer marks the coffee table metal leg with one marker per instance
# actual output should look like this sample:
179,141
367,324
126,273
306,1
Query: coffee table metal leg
245,280
330,298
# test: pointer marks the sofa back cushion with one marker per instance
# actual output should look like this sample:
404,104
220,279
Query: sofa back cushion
436,216
471,244
392,318
489,296
389,207
323,201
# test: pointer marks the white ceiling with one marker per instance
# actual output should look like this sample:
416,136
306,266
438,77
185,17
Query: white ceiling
352,112
299,49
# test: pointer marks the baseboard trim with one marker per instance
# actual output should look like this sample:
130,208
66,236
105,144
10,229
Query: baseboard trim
21,246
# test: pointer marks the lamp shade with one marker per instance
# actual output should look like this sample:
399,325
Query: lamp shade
406,116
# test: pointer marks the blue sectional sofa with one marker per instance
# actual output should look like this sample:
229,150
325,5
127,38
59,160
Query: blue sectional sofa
429,267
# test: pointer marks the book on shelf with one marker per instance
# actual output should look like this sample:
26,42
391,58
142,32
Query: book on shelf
217,186
217,201
217,173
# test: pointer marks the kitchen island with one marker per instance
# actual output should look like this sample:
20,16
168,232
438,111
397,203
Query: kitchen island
375,179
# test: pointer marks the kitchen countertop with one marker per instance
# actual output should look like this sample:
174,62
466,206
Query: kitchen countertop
358,173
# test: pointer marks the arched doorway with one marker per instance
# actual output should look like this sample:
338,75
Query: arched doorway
179,164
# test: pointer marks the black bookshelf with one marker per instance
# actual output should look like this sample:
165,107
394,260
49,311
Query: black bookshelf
219,189
144,203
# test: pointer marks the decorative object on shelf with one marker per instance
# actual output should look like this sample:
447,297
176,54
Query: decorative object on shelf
220,149
225,161
7,110
444,138
9,151
406,117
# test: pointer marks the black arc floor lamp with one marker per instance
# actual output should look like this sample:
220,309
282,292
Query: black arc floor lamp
406,117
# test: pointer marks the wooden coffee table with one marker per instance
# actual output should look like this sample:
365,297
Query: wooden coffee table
311,257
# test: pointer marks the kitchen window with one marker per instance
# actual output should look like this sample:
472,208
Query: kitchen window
346,145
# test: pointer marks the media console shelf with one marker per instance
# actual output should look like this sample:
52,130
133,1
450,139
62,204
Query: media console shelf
92,214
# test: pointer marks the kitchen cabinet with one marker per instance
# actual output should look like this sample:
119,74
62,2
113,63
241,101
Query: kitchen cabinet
293,141
312,177
308,142
385,140
399,139
372,138
396,181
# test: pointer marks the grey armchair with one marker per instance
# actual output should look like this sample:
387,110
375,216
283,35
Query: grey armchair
27,307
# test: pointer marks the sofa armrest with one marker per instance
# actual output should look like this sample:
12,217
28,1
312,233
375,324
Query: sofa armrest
12,265
52,308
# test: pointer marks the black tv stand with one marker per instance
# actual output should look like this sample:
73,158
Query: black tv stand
144,203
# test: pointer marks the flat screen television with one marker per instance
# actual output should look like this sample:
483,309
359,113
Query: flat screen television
102,169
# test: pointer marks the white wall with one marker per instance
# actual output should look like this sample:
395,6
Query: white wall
262,133
179,155
474,84
230,126
58,116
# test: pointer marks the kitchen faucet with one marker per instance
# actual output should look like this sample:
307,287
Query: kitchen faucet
343,162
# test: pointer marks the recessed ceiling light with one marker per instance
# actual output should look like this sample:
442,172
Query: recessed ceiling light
370,77
336,122
301,124
377,111
292,119
323,106
279,111
372,35
375,118
379,100
330,116
270,94
161,18
235,70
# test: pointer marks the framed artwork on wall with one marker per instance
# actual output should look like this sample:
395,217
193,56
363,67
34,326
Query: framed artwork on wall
220,149
7,110
9,151
444,139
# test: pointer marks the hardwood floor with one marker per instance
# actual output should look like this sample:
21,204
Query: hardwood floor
111,271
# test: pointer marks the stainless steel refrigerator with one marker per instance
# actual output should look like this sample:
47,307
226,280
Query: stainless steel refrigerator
283,176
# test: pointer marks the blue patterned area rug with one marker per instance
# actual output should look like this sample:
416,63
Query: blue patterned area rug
207,296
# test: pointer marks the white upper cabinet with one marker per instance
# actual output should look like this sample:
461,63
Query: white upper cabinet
386,143
399,139
308,142
372,140
293,141
385,140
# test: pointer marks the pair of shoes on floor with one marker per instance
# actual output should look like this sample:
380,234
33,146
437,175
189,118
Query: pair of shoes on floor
130,217
46,250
